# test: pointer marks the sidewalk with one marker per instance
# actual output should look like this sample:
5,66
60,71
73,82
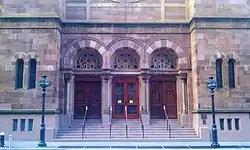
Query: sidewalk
127,145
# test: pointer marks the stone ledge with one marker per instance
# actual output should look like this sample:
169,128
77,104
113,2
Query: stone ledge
199,111
29,111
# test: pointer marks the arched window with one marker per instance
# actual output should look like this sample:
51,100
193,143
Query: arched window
162,61
231,73
32,74
219,73
88,61
19,73
125,61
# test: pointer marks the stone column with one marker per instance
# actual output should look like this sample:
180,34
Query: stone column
106,95
184,113
146,101
71,95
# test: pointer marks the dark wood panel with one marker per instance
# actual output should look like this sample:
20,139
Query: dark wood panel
87,94
163,93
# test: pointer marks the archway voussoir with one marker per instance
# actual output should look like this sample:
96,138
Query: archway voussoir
174,46
182,60
179,50
93,44
149,50
158,44
169,44
101,50
164,43
81,44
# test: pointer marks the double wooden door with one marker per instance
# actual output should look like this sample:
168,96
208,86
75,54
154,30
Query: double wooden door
87,93
163,93
125,98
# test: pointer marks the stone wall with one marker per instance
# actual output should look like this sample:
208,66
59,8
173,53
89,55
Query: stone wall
30,7
209,44
219,8
44,46
131,11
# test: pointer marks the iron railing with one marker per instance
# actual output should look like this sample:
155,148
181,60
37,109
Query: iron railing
110,122
84,121
69,119
126,118
140,117
167,121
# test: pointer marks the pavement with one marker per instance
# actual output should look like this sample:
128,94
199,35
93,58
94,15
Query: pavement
32,145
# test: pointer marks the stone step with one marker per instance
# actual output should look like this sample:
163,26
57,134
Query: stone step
129,136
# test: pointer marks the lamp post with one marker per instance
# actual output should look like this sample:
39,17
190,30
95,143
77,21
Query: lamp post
211,85
43,83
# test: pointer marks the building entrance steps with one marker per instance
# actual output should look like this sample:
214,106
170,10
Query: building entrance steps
96,131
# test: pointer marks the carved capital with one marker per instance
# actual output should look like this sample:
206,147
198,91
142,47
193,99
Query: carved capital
67,77
106,75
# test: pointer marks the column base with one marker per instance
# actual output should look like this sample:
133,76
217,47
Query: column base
185,120
106,119
146,119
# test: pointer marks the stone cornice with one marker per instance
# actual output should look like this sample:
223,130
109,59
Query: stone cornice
123,27
208,111
29,111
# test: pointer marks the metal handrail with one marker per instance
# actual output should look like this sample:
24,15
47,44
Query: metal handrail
84,121
167,120
126,118
70,120
142,125
110,121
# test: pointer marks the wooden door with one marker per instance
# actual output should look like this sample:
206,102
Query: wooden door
87,94
125,95
163,93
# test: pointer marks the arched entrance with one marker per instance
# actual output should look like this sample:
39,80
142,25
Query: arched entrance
163,84
87,87
125,93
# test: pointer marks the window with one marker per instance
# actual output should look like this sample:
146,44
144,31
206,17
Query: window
162,61
88,61
30,125
231,73
22,127
237,123
125,61
19,73
229,124
14,125
219,73
222,124
32,74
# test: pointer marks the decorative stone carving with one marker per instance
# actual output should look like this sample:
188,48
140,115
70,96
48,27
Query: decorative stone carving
88,61
162,61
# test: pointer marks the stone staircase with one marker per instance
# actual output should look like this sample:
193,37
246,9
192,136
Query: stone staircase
95,131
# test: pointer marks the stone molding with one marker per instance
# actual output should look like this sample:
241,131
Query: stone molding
123,27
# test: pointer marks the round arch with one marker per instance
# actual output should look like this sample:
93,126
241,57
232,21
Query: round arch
217,55
126,42
70,53
125,59
19,55
182,55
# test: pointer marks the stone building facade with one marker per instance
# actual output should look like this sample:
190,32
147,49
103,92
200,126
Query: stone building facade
125,54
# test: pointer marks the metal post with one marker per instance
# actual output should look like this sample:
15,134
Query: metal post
43,83
10,141
2,139
211,84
